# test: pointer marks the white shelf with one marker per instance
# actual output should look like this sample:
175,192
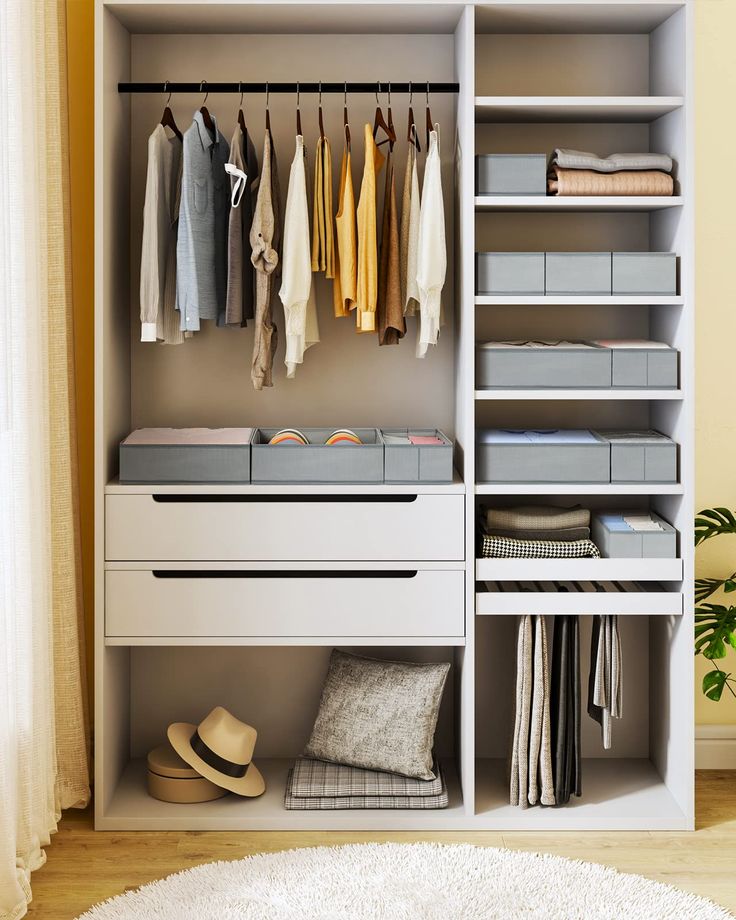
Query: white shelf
503,109
131,809
456,487
552,300
547,394
287,641
619,17
576,202
578,488
579,569
618,794
629,603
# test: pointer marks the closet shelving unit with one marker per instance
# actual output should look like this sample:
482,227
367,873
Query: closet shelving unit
269,671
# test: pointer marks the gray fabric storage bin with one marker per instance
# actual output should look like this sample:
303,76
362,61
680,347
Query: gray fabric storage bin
317,461
511,174
509,272
575,455
578,273
642,364
416,462
641,456
644,273
617,540
567,364
179,455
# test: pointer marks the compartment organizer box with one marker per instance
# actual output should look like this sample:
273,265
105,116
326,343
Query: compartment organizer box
633,535
317,461
180,455
511,174
423,461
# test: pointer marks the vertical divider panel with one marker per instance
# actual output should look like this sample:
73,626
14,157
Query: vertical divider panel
464,374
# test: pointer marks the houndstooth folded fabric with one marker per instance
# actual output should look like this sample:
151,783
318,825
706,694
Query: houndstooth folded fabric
319,778
509,548
337,803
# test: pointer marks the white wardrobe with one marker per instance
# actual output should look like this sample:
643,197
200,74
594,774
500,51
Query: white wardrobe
286,573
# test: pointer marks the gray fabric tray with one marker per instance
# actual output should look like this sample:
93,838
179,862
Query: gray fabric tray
555,457
168,455
317,461
573,364
509,272
511,174
417,463
616,541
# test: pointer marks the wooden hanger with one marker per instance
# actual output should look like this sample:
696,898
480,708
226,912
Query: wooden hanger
430,123
241,116
380,122
321,123
345,120
204,111
298,113
167,119
412,135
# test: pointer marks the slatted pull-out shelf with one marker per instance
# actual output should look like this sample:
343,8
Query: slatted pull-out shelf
576,597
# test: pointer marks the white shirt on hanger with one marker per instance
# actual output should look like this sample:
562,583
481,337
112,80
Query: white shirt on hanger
432,249
297,291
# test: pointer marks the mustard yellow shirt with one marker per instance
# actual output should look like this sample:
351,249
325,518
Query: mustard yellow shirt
344,288
367,275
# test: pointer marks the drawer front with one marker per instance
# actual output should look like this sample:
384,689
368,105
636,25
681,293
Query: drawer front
168,527
197,603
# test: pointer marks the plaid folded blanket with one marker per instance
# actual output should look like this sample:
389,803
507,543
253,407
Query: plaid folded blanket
319,778
381,801
509,548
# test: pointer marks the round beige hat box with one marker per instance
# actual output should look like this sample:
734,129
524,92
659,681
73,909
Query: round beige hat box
170,779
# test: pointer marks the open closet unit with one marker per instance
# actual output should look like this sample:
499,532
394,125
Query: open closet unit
195,584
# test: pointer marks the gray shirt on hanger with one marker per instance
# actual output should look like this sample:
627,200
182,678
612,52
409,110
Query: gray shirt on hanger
201,253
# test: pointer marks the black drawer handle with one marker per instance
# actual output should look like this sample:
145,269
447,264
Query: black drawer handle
284,573
169,498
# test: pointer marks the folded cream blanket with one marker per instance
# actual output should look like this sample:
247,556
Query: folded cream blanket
581,159
587,182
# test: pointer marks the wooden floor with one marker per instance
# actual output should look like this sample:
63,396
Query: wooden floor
85,867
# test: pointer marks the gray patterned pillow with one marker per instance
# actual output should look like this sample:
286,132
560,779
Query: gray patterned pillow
380,715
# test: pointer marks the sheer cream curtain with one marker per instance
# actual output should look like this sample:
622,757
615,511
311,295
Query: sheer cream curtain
43,719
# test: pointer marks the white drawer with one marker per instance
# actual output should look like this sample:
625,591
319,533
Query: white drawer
261,528
210,602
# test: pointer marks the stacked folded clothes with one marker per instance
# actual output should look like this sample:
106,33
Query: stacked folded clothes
318,785
536,532
577,172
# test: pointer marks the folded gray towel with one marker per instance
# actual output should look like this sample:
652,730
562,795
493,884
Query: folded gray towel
536,517
582,159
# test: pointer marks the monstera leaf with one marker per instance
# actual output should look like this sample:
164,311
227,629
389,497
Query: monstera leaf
714,683
705,587
715,628
713,521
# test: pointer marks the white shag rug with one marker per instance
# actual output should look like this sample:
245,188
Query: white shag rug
392,881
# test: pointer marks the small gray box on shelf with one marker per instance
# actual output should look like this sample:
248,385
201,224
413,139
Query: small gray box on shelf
186,455
578,273
541,457
644,273
542,364
642,364
641,456
422,462
617,539
511,174
317,461
509,273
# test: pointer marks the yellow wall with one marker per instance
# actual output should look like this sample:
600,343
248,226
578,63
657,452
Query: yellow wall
715,240
716,256
80,48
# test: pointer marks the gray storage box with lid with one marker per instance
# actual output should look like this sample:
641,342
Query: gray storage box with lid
317,461
644,273
542,456
406,462
509,272
186,455
542,364
578,273
618,540
511,174
642,364
641,456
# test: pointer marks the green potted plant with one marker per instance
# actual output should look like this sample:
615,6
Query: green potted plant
715,624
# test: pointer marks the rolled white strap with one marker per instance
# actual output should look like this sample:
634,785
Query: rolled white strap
237,191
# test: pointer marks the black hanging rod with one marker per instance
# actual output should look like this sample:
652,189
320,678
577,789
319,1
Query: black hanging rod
341,88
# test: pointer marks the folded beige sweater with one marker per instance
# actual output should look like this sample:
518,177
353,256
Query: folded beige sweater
587,182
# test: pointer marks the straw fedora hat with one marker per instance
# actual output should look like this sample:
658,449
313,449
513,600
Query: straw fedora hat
220,748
